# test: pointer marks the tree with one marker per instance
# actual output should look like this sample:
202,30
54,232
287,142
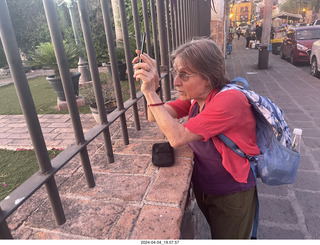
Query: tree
29,23
117,23
295,6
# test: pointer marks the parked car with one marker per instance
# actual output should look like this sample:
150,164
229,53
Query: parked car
297,42
301,24
314,23
315,59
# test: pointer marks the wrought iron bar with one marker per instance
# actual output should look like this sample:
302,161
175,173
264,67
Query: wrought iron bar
155,40
136,23
114,67
4,230
63,66
168,40
146,26
155,33
86,29
126,43
163,49
173,26
179,21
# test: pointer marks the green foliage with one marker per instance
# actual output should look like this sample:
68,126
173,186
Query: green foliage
292,6
44,56
29,23
31,27
16,167
108,94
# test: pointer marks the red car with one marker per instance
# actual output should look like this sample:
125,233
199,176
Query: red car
297,42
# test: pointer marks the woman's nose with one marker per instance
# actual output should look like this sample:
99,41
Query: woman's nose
176,81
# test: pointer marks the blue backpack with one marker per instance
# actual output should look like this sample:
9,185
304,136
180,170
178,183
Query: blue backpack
278,163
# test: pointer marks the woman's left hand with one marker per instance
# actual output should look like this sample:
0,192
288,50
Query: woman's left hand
147,72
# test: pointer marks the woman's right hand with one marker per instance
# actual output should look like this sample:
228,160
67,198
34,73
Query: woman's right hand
147,72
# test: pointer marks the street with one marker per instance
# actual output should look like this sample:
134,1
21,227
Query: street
287,211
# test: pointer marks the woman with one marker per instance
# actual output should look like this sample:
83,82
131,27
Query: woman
223,183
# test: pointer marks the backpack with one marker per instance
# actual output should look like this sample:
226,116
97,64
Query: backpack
278,163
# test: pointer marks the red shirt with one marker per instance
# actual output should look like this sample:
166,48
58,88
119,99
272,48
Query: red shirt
227,113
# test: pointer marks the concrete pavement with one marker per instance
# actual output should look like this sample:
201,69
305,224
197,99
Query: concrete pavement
291,211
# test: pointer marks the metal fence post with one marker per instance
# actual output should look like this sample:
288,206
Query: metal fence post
113,61
4,230
163,49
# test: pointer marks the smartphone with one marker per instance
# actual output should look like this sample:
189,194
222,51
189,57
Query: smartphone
142,45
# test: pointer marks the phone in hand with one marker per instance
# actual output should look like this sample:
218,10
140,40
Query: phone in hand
142,45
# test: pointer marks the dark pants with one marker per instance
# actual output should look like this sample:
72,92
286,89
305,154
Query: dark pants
229,216
248,41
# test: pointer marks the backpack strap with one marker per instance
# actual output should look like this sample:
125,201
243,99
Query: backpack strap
233,146
242,80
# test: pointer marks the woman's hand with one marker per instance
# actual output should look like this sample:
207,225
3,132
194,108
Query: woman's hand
147,72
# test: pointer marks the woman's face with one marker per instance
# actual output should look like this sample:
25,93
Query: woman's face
190,85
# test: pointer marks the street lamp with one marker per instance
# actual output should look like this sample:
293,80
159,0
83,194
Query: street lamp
303,14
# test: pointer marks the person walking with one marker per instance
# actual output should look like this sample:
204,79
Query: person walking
239,32
223,183
247,35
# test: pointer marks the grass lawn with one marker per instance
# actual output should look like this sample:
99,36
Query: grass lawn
45,99
16,167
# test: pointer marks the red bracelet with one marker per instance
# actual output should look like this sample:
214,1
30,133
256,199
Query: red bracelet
162,103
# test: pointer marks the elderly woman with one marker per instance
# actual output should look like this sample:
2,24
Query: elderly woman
223,182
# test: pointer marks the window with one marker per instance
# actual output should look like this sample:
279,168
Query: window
308,34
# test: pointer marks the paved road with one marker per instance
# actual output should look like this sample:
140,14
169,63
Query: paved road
289,211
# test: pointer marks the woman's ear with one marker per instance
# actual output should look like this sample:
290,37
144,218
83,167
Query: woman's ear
208,83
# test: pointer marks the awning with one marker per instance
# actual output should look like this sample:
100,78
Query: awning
288,16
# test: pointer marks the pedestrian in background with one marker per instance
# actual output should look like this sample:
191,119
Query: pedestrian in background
239,32
247,35
223,182
258,31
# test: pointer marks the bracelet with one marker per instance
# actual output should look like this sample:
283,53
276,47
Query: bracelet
162,103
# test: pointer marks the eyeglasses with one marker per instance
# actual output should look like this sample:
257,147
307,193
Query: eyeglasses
182,75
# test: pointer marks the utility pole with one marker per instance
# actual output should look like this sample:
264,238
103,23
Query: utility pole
267,22
265,38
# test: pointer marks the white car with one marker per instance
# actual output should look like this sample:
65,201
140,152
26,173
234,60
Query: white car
315,59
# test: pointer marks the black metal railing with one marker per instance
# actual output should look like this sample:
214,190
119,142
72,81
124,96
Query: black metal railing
174,21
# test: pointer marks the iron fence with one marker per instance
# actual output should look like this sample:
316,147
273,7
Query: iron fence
173,23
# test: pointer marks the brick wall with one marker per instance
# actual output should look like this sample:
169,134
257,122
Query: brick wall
217,32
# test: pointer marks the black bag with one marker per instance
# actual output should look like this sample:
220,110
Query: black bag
162,155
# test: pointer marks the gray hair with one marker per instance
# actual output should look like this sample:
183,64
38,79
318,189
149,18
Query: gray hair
204,57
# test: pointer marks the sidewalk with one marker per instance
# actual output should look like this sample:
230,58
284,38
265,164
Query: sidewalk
286,212
293,211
